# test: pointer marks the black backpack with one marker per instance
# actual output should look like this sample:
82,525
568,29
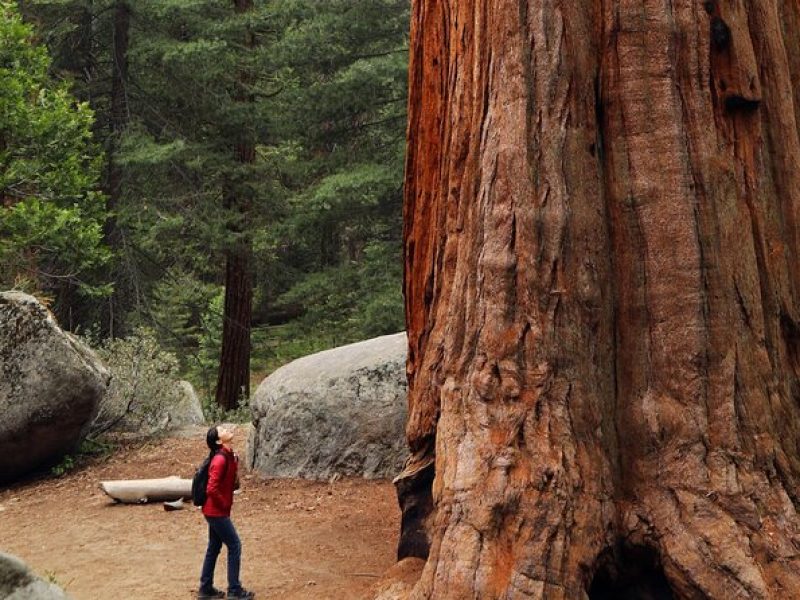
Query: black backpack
200,481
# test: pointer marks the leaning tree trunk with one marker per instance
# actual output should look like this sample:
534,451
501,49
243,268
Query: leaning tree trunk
602,279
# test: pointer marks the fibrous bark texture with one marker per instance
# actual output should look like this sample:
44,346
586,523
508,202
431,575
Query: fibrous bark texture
602,278
233,376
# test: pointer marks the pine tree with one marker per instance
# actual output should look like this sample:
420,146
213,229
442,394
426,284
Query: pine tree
205,79
51,214
89,41
314,100
346,113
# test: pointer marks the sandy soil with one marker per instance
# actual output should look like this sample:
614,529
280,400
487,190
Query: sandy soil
300,539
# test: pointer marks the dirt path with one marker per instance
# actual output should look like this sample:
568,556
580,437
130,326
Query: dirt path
300,539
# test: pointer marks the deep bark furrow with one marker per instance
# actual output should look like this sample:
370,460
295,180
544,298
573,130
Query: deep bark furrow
780,127
789,18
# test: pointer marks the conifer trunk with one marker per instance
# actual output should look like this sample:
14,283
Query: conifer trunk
119,115
233,380
119,96
602,278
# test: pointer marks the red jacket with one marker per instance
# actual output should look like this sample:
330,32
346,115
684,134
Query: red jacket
221,481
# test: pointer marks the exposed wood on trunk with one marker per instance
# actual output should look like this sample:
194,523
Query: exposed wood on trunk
416,505
600,240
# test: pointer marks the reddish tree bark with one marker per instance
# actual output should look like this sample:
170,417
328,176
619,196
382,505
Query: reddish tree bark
602,282
233,379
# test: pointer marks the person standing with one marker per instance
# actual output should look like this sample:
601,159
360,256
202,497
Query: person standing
222,480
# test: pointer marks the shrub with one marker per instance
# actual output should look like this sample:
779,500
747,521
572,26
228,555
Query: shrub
144,382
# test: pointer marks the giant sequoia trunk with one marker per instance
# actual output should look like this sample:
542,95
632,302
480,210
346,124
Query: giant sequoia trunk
602,279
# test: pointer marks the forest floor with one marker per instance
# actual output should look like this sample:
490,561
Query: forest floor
301,539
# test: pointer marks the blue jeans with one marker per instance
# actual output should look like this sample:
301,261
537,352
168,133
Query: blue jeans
221,531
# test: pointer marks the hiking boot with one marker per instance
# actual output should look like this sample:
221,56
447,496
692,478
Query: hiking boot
241,594
213,593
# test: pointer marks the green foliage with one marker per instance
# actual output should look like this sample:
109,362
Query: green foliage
51,576
203,88
341,228
143,383
51,215
63,467
209,344
180,311
382,310
87,448
96,447
216,414
319,90
340,306
327,111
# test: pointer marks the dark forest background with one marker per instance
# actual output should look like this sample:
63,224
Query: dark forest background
156,153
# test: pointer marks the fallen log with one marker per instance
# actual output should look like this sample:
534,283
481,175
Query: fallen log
138,491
